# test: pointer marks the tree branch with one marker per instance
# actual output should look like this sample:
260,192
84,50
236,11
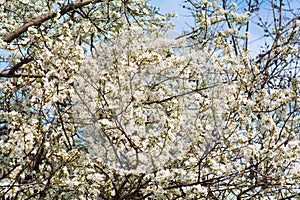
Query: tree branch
18,65
180,95
41,19
17,75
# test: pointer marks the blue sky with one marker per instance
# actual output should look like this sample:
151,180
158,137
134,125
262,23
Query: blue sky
256,38
175,6
185,17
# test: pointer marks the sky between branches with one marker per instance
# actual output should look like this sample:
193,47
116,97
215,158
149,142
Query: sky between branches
185,20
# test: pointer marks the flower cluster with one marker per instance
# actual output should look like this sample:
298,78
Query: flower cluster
96,103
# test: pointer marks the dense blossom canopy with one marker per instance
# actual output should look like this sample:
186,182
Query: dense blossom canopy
97,102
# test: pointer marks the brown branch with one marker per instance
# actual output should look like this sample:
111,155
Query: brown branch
180,95
18,65
61,121
247,25
17,75
230,26
39,20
